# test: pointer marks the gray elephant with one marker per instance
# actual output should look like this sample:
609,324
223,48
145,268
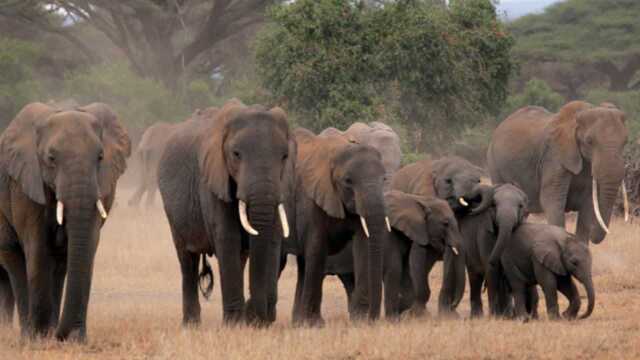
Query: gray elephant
149,151
425,231
223,182
569,161
549,256
58,175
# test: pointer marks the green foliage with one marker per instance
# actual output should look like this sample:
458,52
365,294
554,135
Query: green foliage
536,92
628,101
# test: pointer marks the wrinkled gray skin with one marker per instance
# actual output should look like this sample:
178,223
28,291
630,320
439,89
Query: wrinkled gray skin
425,230
485,233
555,157
208,167
547,255
48,156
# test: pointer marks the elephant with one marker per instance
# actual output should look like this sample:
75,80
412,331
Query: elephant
424,230
223,181
569,161
338,194
149,151
549,256
58,176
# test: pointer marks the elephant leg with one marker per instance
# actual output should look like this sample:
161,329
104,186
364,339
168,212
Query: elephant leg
568,288
421,262
475,296
532,301
349,283
553,195
190,301
40,285
406,290
59,274
297,316
15,266
7,300
359,305
548,282
585,220
315,264
520,301
392,277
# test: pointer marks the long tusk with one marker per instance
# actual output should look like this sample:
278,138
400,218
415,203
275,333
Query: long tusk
60,212
596,206
625,201
242,208
101,209
386,219
463,202
364,226
455,251
283,221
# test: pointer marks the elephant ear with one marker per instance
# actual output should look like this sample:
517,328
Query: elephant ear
116,145
549,254
211,158
315,168
18,151
563,136
407,215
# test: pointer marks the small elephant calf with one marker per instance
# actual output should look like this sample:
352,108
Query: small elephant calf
547,255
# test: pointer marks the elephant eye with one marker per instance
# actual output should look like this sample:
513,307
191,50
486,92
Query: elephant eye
236,154
348,181
101,155
51,158
285,157
448,181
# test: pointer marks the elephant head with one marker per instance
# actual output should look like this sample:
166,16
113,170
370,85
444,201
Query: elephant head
68,162
457,181
249,158
345,180
569,256
594,137
429,221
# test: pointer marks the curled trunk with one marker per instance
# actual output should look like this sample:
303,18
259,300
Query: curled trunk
483,195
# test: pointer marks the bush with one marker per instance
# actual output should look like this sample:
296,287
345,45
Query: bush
536,92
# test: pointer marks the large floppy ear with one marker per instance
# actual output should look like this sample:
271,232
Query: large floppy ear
563,141
116,145
549,254
407,215
18,151
315,168
211,157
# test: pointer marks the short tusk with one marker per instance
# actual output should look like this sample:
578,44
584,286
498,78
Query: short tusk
625,201
596,206
463,202
242,208
283,221
386,219
101,209
364,226
455,251
60,212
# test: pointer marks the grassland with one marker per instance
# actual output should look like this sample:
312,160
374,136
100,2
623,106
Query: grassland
135,313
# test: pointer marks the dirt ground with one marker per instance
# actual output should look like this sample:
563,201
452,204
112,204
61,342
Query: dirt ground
135,313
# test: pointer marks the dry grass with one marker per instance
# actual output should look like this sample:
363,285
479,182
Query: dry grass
135,312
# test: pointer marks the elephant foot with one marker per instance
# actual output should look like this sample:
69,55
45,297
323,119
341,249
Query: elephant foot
233,317
570,314
74,335
254,319
315,322
449,314
418,311
477,314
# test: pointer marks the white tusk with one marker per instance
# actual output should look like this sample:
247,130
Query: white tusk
242,208
625,201
101,209
455,251
364,226
596,206
386,219
283,221
463,202
60,212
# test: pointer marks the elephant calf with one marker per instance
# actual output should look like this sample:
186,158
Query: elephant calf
547,255
424,230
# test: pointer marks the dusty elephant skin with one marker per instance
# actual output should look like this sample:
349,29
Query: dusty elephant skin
148,153
338,195
58,176
425,230
546,255
569,161
223,180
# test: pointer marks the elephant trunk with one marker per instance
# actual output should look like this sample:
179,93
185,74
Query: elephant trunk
453,277
371,208
591,296
485,195
507,220
604,193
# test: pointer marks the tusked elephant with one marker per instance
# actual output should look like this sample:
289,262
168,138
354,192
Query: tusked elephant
223,182
339,194
425,230
549,256
569,161
58,175
149,151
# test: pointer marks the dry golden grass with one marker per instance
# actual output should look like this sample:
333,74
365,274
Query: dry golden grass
135,312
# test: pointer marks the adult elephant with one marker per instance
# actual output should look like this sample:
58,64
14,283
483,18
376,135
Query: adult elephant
339,194
149,151
223,181
569,161
58,177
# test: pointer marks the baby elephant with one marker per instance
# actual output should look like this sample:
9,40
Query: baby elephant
548,256
424,231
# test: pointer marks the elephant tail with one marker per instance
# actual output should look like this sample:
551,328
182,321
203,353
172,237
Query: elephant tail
205,278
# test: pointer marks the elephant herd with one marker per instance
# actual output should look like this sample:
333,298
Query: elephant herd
238,183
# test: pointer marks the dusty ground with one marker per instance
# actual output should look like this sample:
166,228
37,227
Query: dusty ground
135,312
